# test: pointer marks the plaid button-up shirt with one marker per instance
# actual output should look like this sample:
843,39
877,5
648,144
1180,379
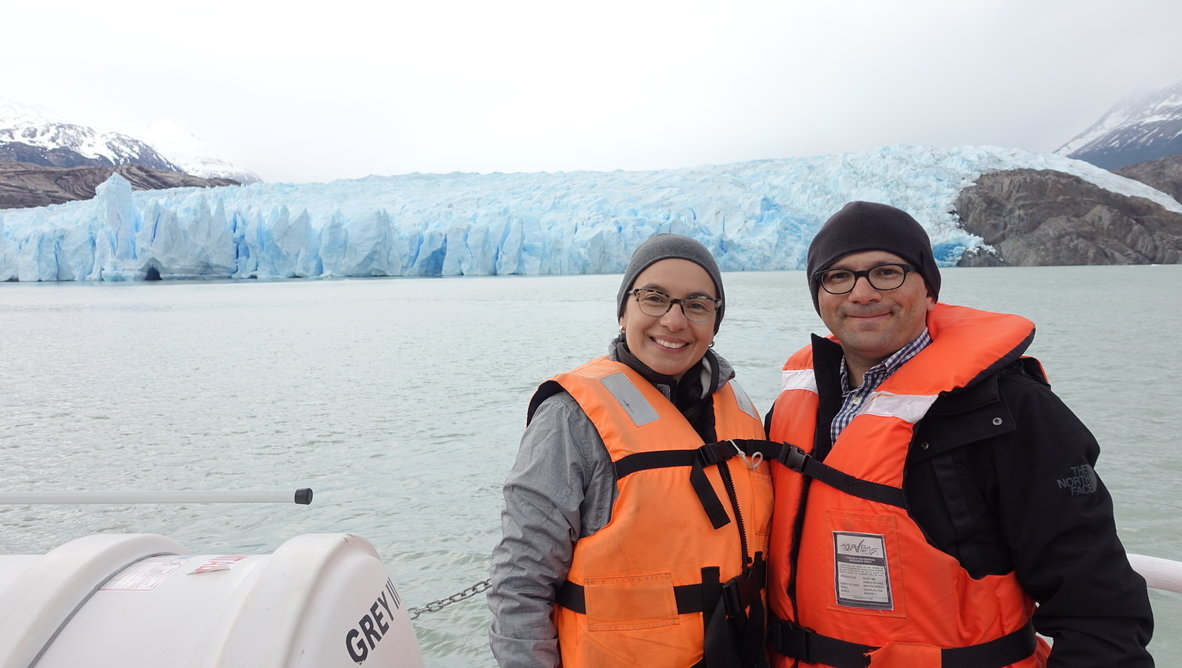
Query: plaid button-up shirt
853,398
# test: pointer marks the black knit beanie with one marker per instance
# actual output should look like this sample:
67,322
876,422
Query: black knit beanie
869,226
669,246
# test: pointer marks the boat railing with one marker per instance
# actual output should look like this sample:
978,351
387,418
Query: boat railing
1164,574
1159,573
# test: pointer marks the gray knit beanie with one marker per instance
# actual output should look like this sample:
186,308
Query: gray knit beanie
869,226
663,247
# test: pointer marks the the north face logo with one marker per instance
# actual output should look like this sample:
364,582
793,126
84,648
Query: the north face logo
1081,481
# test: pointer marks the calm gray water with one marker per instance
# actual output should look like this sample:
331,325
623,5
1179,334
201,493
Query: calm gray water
400,401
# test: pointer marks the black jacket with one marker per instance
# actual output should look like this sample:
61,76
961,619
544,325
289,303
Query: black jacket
1000,476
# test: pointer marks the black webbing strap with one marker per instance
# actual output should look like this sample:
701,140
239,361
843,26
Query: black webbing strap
805,464
734,623
795,641
690,598
716,645
1010,648
697,459
711,453
739,593
709,498
787,454
751,610
732,616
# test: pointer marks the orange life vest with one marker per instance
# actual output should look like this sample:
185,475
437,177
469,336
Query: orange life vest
641,590
850,573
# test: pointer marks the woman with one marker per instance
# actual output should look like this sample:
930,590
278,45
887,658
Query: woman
634,527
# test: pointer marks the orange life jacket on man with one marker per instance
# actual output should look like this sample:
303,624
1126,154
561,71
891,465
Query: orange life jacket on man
681,559
850,573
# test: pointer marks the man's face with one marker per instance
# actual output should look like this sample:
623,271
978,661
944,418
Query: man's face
871,324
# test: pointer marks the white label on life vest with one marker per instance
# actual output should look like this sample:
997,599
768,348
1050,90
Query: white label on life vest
860,570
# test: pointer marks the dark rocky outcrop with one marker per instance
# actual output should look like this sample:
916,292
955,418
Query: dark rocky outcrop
1164,174
25,185
48,157
1043,217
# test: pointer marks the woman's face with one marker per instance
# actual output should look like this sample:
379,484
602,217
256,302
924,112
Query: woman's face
669,344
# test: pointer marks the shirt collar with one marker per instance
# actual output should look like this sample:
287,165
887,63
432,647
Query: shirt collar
881,371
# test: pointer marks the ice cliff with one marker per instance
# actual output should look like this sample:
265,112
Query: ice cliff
754,216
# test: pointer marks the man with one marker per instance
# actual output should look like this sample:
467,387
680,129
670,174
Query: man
943,505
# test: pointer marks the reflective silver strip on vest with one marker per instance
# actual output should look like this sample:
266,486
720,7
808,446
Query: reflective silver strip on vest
907,407
798,379
744,401
637,407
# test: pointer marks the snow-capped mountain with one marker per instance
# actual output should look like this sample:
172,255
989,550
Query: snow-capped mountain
1138,128
37,135
191,154
33,134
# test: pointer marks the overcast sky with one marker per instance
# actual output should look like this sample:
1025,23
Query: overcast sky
346,88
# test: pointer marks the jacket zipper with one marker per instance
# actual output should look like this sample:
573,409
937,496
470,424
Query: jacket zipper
724,471
794,550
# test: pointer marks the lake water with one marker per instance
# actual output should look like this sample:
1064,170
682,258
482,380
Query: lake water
401,401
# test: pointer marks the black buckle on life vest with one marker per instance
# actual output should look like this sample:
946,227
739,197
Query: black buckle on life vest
713,454
732,599
795,641
741,592
734,622
793,457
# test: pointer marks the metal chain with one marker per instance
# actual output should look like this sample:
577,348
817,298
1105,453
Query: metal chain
436,606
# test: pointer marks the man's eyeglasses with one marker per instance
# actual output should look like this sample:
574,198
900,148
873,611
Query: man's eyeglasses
656,304
882,277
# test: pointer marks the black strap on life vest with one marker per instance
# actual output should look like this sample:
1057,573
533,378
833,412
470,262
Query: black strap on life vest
689,598
733,614
795,641
737,593
805,464
698,459
734,636
712,454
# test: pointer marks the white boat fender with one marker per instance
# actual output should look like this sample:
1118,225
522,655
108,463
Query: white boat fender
133,601
372,626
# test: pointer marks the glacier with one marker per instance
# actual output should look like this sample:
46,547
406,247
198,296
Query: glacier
753,216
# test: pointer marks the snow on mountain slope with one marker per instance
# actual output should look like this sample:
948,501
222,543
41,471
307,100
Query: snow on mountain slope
191,154
1138,128
164,145
42,129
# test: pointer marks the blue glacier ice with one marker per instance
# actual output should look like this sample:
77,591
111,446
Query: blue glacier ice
754,216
